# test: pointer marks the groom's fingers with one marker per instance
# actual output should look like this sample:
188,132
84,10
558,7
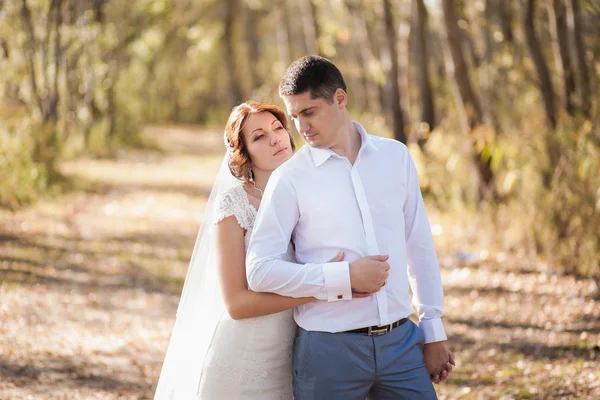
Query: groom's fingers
451,358
367,274
443,376
378,258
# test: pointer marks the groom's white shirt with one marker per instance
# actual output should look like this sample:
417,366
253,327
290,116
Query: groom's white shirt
325,205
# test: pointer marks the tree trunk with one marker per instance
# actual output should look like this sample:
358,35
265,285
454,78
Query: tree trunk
253,45
466,39
505,13
314,12
421,29
487,70
486,31
284,45
466,99
437,55
88,96
357,74
403,51
309,25
460,69
111,100
4,47
57,52
364,54
69,69
392,68
229,53
354,76
98,7
374,44
285,9
582,66
558,17
30,54
545,83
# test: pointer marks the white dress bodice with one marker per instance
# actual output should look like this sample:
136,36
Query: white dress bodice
248,358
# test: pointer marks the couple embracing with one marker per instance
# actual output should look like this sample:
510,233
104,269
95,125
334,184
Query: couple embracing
298,287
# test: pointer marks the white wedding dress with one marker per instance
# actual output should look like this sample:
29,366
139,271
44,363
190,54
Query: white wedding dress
249,358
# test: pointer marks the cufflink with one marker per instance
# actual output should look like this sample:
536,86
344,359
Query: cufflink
340,296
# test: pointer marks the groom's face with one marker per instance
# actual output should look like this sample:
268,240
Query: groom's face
315,119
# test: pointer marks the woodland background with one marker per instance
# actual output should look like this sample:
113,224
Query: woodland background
111,116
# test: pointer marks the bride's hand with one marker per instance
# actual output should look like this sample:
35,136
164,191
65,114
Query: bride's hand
338,258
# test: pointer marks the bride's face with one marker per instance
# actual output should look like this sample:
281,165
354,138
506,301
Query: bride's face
267,141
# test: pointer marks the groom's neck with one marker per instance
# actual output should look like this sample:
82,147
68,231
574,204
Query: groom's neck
349,142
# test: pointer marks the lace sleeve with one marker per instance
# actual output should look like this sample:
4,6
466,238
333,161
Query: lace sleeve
232,203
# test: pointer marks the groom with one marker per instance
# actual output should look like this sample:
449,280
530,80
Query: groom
358,193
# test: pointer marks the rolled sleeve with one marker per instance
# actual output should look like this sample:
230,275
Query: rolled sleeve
337,281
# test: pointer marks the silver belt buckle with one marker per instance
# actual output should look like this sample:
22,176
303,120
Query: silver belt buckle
377,332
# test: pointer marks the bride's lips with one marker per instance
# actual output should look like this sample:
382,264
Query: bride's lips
280,151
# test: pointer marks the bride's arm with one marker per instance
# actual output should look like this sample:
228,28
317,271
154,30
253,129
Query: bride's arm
240,301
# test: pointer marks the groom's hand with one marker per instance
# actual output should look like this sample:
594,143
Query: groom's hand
368,274
438,360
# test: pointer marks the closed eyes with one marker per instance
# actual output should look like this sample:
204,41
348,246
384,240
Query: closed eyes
260,136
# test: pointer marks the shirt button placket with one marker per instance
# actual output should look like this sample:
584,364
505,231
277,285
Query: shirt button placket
363,205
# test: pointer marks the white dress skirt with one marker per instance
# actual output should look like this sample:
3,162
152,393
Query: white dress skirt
249,358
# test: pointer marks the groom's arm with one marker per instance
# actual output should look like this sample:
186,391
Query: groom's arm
423,267
266,269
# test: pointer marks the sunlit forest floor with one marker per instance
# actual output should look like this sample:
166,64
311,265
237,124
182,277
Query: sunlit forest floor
90,282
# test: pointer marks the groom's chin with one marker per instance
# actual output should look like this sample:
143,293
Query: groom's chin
317,144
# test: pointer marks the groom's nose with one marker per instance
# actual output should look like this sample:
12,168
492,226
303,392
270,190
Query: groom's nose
302,125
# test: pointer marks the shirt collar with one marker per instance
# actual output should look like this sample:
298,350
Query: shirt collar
319,156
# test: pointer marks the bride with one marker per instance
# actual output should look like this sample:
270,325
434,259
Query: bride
229,342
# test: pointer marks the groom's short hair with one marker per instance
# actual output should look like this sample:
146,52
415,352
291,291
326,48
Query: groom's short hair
314,74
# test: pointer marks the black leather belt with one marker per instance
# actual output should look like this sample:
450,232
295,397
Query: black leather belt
378,330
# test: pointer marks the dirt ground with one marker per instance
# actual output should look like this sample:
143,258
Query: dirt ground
90,280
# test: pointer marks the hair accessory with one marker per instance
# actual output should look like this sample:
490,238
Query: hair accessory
226,141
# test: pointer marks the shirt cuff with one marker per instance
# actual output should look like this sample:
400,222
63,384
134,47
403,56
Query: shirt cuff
337,281
433,329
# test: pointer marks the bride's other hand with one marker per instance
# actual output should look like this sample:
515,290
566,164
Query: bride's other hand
338,258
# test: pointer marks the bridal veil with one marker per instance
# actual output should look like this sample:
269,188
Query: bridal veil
200,307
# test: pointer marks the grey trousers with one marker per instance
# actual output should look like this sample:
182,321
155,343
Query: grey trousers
350,366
